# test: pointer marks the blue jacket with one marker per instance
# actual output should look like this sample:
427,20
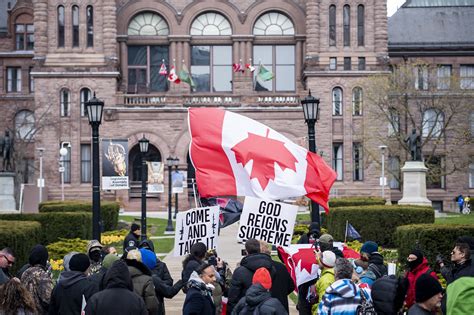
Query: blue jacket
341,298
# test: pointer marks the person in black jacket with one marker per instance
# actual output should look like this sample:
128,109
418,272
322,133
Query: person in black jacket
132,238
462,264
242,277
312,236
67,295
118,296
199,294
193,260
369,252
99,277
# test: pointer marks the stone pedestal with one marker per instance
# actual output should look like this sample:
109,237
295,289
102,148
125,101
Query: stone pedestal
414,184
7,195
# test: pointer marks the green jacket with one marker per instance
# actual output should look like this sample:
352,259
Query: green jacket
458,292
326,279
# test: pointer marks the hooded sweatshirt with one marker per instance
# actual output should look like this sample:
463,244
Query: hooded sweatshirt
342,297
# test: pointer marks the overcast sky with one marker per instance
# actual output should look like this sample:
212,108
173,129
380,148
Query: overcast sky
393,5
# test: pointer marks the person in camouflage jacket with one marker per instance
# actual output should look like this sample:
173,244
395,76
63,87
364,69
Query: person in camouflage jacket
37,280
93,251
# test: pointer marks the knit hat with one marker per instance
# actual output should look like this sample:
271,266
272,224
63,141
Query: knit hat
94,245
38,256
134,255
79,262
326,238
148,258
328,259
369,247
262,276
109,259
426,287
66,260
134,227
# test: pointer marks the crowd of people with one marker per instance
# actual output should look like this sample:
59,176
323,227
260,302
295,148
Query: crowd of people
101,282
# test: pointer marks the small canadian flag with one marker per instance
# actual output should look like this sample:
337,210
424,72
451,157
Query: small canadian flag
237,67
250,67
163,70
173,77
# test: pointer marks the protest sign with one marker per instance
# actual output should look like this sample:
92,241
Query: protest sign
196,225
267,220
114,164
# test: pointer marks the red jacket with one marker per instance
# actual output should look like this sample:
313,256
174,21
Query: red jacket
412,276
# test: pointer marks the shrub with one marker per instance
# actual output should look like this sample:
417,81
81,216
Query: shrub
432,239
20,236
376,223
58,250
355,201
109,210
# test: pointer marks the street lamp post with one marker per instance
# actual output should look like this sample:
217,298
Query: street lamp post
310,106
382,180
175,163
62,153
40,181
169,226
143,149
95,108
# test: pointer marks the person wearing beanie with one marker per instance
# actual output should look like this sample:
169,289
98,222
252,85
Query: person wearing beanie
72,286
132,238
99,278
94,249
37,280
199,293
369,247
312,235
326,242
417,265
257,299
428,296
369,252
193,261
326,261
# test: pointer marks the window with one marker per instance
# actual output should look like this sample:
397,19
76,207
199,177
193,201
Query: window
435,174
337,101
346,20
332,25
444,77
211,68
25,36
13,79
361,65
90,25
31,82
394,172
75,26
60,26
471,172
273,23
65,100
347,63
433,123
333,63
66,163
280,60
421,78
211,24
25,125
360,25
357,160
337,159
85,163
357,97
467,76
85,96
144,64
394,122
148,24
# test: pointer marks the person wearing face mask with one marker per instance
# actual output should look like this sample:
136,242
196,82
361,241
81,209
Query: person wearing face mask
428,296
417,265
94,252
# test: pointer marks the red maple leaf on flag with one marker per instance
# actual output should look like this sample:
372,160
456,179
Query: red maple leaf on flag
264,152
307,258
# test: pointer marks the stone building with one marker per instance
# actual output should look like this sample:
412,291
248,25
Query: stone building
116,48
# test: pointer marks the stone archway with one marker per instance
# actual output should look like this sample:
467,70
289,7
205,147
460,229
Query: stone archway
135,161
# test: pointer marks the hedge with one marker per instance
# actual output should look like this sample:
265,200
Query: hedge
20,236
109,211
432,239
355,201
376,223
56,225
59,249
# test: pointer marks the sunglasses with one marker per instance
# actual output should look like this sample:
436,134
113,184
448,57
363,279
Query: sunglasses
8,260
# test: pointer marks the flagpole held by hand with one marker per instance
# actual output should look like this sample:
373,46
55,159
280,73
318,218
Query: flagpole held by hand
345,234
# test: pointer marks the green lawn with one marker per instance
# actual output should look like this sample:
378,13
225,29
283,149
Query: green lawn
163,245
456,219
155,226
303,217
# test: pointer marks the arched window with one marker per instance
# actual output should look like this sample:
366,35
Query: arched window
332,25
346,20
211,23
75,26
273,23
65,103
90,26
433,123
360,25
337,101
25,124
148,24
357,100
60,26
85,96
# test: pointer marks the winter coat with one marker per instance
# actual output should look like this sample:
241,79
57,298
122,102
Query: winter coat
39,283
377,266
221,286
412,276
417,310
198,297
388,294
130,240
4,276
325,280
118,296
67,295
143,284
98,278
190,265
458,271
242,277
458,293
257,297
341,297
282,284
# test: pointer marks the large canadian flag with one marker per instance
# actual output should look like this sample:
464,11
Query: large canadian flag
235,155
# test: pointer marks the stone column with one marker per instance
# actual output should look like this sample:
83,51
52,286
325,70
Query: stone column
7,196
414,184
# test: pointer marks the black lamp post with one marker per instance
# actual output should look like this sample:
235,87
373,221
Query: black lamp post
143,149
311,115
175,163
169,162
95,108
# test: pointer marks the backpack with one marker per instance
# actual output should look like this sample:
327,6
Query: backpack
365,307
388,294
247,310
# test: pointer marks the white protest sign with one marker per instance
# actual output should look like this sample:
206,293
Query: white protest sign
196,225
267,220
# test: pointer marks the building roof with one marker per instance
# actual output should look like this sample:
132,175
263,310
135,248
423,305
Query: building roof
4,13
437,3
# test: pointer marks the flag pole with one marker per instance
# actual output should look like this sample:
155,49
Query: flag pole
345,234
194,192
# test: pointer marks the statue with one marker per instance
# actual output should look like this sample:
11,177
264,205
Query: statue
414,144
6,148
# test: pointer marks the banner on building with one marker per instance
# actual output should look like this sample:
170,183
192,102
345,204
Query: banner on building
155,177
196,225
267,220
178,179
114,164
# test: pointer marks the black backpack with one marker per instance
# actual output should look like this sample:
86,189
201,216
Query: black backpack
365,307
388,294
247,310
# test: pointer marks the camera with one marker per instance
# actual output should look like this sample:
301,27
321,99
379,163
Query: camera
243,252
212,260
